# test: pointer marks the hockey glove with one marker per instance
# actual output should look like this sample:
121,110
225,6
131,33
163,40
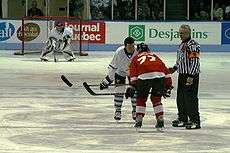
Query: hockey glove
105,83
119,79
130,91
167,92
66,37
172,69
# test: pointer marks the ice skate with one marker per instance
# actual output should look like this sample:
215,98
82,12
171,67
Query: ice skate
44,59
160,124
138,123
117,116
134,115
71,59
178,123
191,125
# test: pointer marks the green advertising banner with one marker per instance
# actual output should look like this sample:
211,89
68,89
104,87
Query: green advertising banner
162,32
137,32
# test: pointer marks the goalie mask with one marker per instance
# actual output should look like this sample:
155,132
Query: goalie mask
59,25
142,47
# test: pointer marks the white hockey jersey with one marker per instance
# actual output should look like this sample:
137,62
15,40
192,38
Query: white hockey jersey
120,63
59,35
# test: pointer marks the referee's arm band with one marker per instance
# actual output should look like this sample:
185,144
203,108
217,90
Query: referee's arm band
193,55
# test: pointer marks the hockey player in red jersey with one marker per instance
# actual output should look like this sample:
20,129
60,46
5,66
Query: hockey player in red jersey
148,72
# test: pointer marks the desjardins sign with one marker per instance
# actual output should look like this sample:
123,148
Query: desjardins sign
174,34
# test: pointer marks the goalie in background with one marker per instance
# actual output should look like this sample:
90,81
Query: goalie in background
59,40
149,73
118,71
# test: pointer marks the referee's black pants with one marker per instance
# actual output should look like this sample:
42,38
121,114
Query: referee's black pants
187,99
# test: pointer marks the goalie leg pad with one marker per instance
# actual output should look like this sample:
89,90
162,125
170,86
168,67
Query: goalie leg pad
49,47
46,51
67,52
52,44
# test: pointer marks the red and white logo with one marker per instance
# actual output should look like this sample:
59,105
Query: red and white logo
91,32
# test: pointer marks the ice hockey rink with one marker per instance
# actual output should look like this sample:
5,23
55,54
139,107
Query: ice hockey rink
40,114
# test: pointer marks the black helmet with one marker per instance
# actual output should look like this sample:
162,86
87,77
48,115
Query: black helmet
142,47
59,23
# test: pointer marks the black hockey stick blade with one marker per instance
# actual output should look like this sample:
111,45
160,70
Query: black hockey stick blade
67,82
87,87
64,79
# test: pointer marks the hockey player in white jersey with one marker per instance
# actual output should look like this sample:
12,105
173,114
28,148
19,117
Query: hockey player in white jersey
59,40
118,71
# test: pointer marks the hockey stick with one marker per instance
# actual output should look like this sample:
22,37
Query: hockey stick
55,52
87,87
67,82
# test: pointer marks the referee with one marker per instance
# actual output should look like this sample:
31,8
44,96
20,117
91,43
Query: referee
188,67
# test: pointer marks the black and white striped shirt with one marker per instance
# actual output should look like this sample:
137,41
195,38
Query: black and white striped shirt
188,58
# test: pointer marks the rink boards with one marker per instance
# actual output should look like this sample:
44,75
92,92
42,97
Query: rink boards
107,35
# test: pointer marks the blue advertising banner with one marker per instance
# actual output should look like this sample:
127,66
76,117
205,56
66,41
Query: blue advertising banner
6,30
225,33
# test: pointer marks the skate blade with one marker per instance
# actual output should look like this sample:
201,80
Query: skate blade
138,129
161,129
178,125
44,60
117,121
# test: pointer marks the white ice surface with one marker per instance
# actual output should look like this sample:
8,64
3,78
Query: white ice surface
40,114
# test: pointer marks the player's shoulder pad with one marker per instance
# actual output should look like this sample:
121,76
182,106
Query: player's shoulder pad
120,49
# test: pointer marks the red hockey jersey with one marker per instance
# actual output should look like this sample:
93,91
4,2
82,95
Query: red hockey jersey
147,65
